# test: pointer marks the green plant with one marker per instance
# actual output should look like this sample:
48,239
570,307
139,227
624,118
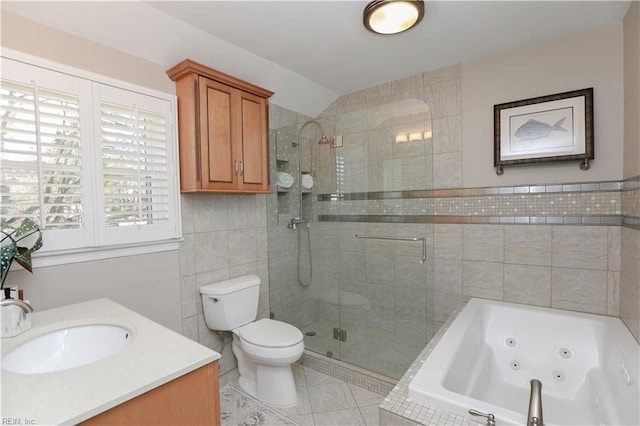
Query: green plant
28,231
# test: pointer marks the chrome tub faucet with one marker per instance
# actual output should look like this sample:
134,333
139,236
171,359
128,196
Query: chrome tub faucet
534,417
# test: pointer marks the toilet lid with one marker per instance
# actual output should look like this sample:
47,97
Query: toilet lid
271,334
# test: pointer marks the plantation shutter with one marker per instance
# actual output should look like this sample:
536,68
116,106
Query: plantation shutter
94,165
136,172
40,155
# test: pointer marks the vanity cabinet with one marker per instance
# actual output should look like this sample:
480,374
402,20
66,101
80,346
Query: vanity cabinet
223,131
192,399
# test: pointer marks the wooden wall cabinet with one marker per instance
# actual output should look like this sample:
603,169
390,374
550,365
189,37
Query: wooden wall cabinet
192,399
223,129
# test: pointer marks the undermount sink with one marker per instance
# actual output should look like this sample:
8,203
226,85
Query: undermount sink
67,348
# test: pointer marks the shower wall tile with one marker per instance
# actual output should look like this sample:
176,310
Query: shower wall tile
380,268
483,242
528,244
444,305
379,145
613,247
410,173
447,241
579,290
613,293
443,98
409,84
448,276
351,122
352,265
410,273
482,279
447,135
630,280
527,284
411,302
447,170
410,148
583,247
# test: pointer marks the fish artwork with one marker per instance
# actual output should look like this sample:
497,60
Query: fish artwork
534,129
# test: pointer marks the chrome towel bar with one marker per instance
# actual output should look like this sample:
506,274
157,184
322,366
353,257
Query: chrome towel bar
394,238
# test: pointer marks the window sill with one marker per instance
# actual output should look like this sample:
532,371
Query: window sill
52,258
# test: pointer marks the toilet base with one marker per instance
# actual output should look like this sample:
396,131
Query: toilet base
273,385
277,392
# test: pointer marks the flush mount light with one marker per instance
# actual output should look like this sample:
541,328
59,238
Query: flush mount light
392,16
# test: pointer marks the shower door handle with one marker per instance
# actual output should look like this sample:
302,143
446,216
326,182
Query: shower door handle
381,237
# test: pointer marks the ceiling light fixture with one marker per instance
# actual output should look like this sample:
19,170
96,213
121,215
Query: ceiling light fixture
392,16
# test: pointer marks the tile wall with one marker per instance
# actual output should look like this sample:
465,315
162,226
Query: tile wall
225,236
553,245
562,247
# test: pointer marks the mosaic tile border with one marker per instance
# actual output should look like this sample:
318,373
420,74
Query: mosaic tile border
470,192
612,203
612,220
351,374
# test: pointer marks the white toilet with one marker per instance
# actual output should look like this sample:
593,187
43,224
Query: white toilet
265,349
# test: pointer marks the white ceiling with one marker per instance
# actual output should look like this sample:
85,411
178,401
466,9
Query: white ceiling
311,52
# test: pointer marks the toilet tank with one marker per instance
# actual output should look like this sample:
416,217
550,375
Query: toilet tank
231,303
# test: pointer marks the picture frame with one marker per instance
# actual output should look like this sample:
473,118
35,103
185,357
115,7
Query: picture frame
548,128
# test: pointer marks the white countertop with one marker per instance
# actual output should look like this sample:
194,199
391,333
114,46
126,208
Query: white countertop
155,356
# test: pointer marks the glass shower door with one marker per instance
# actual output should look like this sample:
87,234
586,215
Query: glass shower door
385,250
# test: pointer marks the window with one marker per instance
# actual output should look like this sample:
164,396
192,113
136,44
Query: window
93,164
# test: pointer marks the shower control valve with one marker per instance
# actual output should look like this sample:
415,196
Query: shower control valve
295,221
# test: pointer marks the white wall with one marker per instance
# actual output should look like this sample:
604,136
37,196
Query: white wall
148,284
632,91
592,59
39,40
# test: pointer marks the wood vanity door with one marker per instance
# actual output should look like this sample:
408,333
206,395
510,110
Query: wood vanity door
192,399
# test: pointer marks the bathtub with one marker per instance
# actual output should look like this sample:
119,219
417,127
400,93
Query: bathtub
588,366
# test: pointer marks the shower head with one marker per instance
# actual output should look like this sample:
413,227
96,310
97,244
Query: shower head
324,140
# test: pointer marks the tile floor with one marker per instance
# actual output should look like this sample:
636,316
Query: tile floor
324,400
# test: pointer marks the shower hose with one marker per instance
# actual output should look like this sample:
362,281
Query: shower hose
300,281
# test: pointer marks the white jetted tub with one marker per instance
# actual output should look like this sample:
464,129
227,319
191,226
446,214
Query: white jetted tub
588,366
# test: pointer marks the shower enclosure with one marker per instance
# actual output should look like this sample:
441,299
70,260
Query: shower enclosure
350,258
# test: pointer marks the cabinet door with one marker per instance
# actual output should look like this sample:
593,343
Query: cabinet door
254,174
218,103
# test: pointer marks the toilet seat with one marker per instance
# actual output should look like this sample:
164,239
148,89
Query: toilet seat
267,333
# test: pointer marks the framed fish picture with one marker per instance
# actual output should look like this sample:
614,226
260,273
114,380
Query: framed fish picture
547,128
